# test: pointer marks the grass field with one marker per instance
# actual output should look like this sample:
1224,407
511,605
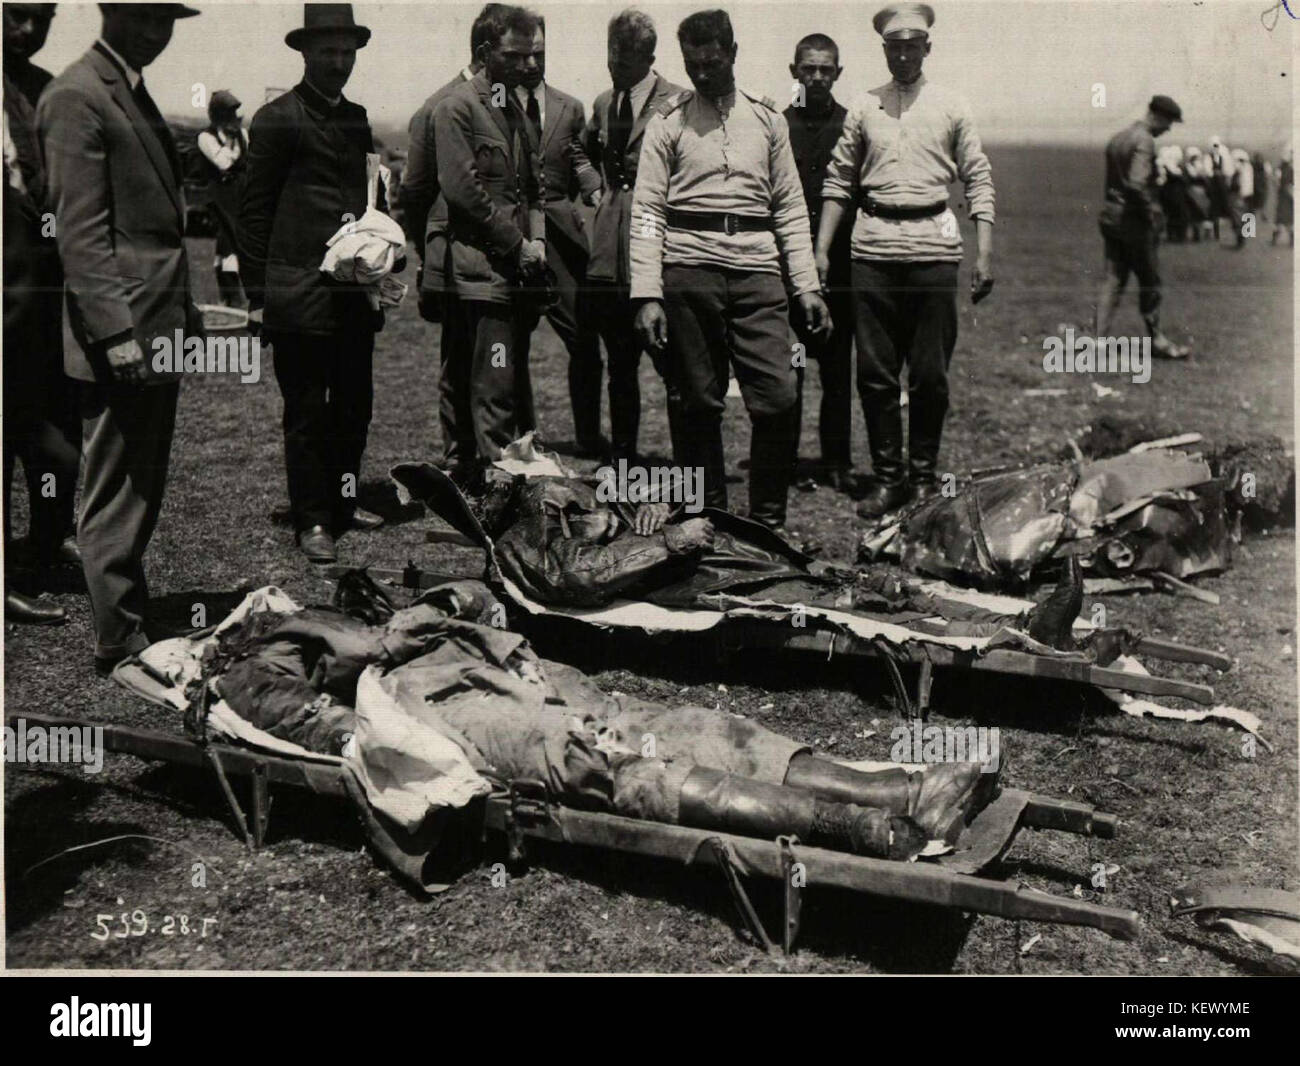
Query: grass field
1192,806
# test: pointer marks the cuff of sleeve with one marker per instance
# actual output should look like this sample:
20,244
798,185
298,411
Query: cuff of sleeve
982,216
646,290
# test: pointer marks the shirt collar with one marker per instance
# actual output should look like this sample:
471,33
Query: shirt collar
522,91
725,102
911,87
133,76
644,86
467,74
325,103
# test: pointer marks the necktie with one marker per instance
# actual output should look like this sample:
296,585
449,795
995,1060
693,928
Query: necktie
159,126
534,109
621,128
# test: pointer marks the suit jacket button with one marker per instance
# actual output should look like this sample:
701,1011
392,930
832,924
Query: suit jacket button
626,185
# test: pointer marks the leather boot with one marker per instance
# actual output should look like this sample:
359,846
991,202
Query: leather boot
701,446
951,795
893,790
925,431
32,612
711,799
889,489
771,448
1052,621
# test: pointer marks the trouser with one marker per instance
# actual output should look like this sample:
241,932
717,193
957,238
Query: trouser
719,318
127,439
455,357
905,313
44,431
834,359
325,380
1130,252
612,313
572,324
500,388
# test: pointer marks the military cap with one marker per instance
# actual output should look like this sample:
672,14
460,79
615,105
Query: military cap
900,21
1164,105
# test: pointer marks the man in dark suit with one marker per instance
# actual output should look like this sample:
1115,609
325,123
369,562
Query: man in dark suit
613,142
489,245
115,187
307,177
816,120
41,425
419,192
558,124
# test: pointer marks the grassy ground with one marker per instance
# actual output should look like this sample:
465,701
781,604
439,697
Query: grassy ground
1193,805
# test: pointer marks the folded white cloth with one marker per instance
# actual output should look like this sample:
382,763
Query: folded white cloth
364,251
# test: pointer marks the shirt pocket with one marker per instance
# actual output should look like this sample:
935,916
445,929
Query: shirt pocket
490,157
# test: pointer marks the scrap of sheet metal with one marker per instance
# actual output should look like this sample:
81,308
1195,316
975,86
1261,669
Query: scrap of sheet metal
1265,916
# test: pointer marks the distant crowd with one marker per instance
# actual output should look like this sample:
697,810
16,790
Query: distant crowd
1199,187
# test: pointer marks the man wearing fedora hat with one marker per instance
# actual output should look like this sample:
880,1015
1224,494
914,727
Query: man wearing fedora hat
115,188
306,178
1130,222
903,144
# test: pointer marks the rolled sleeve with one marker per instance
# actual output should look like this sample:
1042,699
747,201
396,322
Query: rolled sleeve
649,212
842,171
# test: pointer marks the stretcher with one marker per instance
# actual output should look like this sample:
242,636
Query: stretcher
963,879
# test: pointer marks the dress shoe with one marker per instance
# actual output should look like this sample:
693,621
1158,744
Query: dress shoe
883,497
839,479
106,664
1163,348
68,552
951,795
317,544
364,520
33,612
805,483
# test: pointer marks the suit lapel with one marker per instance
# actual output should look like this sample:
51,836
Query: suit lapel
555,107
157,153
498,113
657,93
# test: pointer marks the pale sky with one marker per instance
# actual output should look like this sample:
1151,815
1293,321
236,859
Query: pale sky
1028,67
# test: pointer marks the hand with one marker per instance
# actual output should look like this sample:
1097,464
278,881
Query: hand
816,314
650,518
823,263
255,321
532,256
981,281
126,361
594,198
651,325
695,534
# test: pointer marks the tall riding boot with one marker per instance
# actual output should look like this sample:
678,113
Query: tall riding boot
941,799
771,449
925,431
701,446
711,799
889,488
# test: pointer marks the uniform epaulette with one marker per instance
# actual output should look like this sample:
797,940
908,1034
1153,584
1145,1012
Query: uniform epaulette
674,102
766,101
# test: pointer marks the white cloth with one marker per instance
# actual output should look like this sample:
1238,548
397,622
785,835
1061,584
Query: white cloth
220,149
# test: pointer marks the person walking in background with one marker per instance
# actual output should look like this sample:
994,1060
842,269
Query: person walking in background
1197,170
115,189
309,153
613,141
41,426
1130,223
903,144
418,194
718,218
1241,192
816,120
225,147
1173,193
1284,213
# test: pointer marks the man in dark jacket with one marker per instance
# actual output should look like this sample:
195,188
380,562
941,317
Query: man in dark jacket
816,121
307,178
613,143
115,190
488,246
40,412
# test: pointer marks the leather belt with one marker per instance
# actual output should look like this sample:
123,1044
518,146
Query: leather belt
718,222
879,210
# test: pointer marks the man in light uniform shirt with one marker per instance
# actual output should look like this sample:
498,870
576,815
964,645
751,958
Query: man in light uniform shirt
718,210
903,143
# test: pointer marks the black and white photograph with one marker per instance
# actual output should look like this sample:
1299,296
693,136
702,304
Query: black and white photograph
785,488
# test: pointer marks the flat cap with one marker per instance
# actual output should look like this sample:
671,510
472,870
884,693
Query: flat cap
900,21
1164,105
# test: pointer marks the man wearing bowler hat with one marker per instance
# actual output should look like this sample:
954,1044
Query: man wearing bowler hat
903,144
114,179
1130,222
306,178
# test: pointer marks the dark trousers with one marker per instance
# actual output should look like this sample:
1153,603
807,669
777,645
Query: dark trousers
328,393
500,387
905,313
719,318
1130,251
572,323
43,429
834,360
127,440
612,315
456,359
